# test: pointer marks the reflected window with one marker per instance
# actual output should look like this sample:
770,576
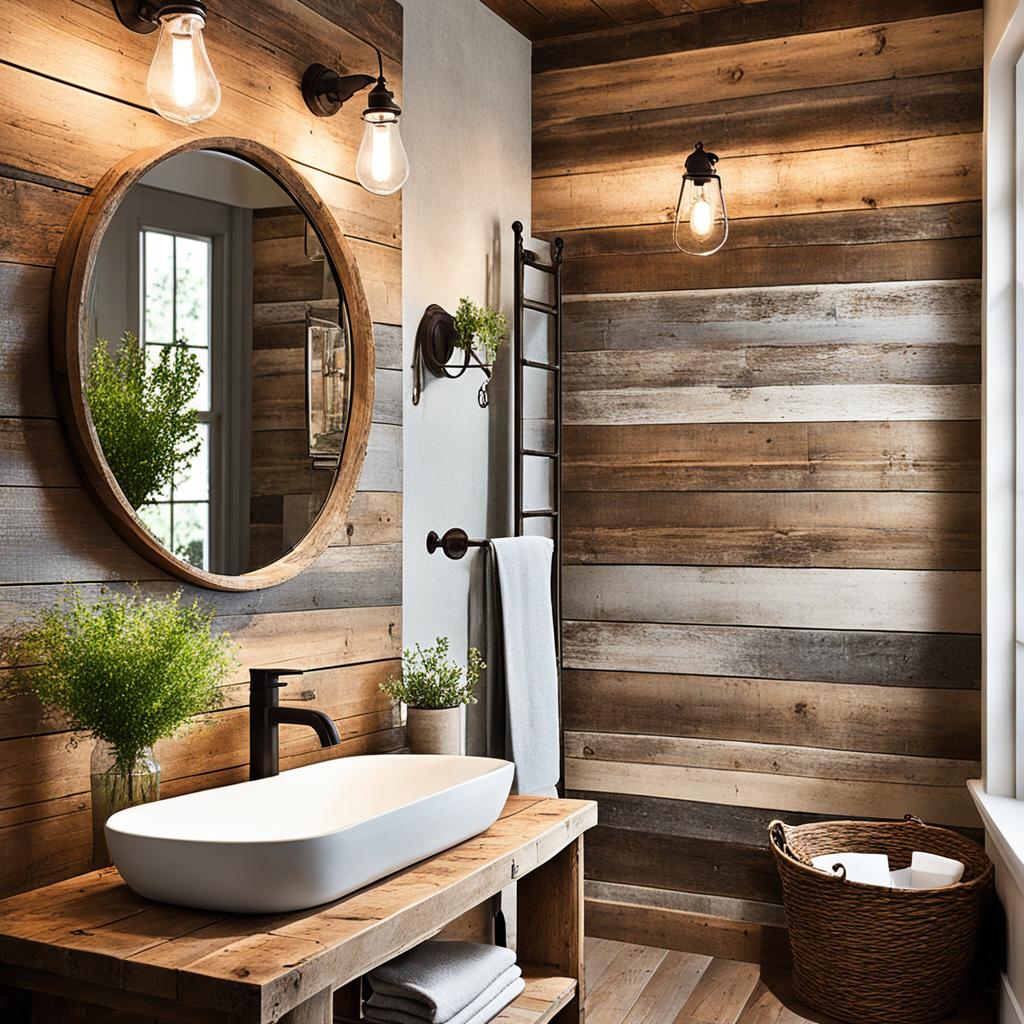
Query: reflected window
176,299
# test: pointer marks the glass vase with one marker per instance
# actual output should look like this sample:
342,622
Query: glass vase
113,789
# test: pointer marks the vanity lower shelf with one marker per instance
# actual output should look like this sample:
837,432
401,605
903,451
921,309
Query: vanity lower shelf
545,994
91,941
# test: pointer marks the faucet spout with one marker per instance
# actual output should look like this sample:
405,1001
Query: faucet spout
319,721
266,714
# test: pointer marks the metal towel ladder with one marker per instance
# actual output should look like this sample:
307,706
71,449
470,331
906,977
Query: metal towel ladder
527,258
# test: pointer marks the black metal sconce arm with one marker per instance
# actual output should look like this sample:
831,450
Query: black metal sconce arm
436,342
455,542
144,16
325,91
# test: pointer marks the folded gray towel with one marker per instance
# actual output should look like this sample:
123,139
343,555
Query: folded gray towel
444,977
416,1010
487,1013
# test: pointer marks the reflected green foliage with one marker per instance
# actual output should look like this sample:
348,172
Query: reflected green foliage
487,326
430,680
144,416
128,669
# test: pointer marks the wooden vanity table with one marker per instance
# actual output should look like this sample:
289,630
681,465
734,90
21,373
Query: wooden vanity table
91,942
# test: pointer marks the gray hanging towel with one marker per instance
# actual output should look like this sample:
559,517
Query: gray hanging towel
521,689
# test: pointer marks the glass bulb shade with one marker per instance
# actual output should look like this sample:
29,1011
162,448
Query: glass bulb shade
701,226
181,84
382,165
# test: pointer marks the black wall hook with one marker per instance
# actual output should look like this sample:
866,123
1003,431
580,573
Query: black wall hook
455,543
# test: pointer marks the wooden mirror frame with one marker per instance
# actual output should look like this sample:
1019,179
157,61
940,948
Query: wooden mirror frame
69,304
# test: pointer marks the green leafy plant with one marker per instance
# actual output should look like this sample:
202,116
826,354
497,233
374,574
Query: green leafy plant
485,327
144,415
429,680
129,670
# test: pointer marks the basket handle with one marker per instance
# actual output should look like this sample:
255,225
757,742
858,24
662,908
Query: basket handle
777,835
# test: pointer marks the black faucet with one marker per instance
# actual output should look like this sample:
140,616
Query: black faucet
266,714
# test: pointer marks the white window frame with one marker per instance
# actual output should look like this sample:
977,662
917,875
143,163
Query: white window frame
1002,422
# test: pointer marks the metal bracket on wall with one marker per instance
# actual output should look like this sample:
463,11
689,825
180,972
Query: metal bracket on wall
436,342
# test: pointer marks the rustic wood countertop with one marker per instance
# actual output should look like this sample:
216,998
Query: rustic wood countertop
94,940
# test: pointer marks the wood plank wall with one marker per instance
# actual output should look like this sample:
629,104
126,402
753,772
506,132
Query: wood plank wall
286,490
73,82
771,481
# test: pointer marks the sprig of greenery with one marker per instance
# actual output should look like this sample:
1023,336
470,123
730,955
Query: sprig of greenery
487,326
128,669
144,416
429,680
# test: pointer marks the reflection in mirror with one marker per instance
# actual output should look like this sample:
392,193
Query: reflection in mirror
216,361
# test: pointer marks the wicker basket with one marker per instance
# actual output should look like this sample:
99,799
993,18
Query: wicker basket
867,954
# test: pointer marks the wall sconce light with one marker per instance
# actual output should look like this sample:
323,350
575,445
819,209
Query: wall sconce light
382,165
181,83
701,226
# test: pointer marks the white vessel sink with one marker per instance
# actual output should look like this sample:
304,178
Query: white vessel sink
308,835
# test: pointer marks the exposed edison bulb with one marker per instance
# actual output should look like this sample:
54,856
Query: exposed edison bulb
701,226
181,83
382,165
702,217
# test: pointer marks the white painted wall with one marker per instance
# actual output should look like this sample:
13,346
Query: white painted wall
466,124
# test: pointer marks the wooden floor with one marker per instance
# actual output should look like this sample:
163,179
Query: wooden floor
629,984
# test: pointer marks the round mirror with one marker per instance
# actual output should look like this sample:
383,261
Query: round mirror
214,360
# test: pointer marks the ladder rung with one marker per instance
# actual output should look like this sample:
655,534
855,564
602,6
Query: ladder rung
553,367
541,455
547,268
540,307
538,513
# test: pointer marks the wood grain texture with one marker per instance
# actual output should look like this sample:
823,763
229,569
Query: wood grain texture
863,53
687,931
735,986
923,312
68,67
921,602
830,230
932,660
865,456
725,24
865,530
792,121
834,716
943,169
948,805
748,267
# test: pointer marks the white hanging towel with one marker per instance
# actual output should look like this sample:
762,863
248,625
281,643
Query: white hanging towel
522,697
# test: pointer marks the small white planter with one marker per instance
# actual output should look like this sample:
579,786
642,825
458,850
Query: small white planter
434,730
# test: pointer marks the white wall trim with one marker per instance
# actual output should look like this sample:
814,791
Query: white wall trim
1003,818
1009,1009
1004,42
